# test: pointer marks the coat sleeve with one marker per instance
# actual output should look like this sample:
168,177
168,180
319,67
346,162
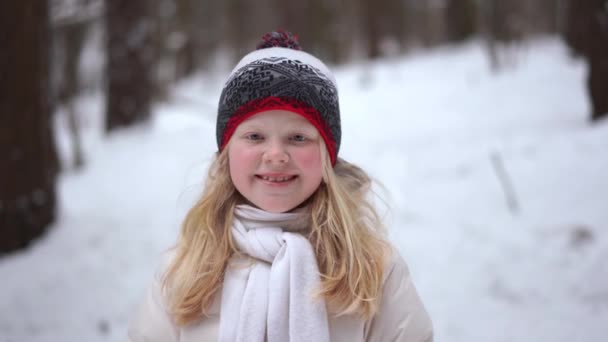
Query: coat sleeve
152,322
401,316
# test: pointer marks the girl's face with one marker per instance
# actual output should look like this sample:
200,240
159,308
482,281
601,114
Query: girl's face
275,160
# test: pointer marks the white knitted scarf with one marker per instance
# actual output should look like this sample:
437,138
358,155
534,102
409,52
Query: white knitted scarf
272,299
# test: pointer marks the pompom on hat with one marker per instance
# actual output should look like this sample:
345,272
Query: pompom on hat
279,75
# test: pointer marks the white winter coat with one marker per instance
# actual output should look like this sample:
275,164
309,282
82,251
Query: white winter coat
401,317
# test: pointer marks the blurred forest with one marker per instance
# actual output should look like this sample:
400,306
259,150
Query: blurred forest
146,46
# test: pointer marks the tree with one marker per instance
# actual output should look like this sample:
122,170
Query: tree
501,23
207,31
383,24
29,161
587,36
372,35
425,22
294,16
237,13
130,62
460,19
324,40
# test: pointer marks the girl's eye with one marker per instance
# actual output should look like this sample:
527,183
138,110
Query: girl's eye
254,136
298,138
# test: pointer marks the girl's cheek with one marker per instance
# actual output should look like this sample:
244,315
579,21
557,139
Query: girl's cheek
250,153
244,151
241,156
309,157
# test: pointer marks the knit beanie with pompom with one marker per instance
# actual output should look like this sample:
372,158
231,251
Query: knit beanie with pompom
279,75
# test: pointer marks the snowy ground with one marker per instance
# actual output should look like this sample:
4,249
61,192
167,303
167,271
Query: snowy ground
427,127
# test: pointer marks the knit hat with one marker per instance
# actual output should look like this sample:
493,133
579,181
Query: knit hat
279,75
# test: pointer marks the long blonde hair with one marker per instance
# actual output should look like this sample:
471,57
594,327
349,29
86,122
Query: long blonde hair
347,235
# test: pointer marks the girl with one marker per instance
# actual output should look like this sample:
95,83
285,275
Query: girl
284,244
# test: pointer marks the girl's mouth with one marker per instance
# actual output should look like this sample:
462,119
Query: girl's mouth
281,179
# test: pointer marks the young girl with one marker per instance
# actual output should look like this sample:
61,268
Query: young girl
284,244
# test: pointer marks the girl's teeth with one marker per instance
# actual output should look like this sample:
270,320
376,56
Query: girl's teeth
278,180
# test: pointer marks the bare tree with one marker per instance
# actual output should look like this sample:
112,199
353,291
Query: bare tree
207,31
323,40
29,162
237,15
295,17
461,19
544,15
204,30
398,27
130,62
587,35
184,28
502,23
425,22
372,19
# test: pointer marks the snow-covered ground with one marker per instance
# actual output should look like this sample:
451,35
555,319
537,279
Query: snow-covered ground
434,128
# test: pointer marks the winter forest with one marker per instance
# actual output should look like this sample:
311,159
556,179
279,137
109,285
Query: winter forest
483,121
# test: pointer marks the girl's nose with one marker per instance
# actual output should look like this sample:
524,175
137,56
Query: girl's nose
275,153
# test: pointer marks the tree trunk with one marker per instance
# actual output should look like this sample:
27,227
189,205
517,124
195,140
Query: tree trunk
295,16
399,27
587,35
434,24
29,162
371,27
236,12
130,62
185,24
488,21
460,19
207,31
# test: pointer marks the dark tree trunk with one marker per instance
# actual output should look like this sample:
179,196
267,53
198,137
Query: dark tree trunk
29,162
501,24
399,26
544,16
187,23
587,36
207,31
433,23
295,17
371,27
597,85
130,62
237,15
321,39
460,19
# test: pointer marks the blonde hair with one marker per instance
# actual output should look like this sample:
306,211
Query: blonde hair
347,235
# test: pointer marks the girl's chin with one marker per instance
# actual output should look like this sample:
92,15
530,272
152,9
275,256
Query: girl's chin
276,208
273,207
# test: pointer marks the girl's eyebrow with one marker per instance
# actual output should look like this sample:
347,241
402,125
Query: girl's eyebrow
305,130
250,125
300,125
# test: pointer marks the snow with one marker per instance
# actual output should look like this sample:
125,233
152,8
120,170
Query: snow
427,127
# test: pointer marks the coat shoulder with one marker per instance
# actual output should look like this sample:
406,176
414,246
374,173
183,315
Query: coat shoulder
401,315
